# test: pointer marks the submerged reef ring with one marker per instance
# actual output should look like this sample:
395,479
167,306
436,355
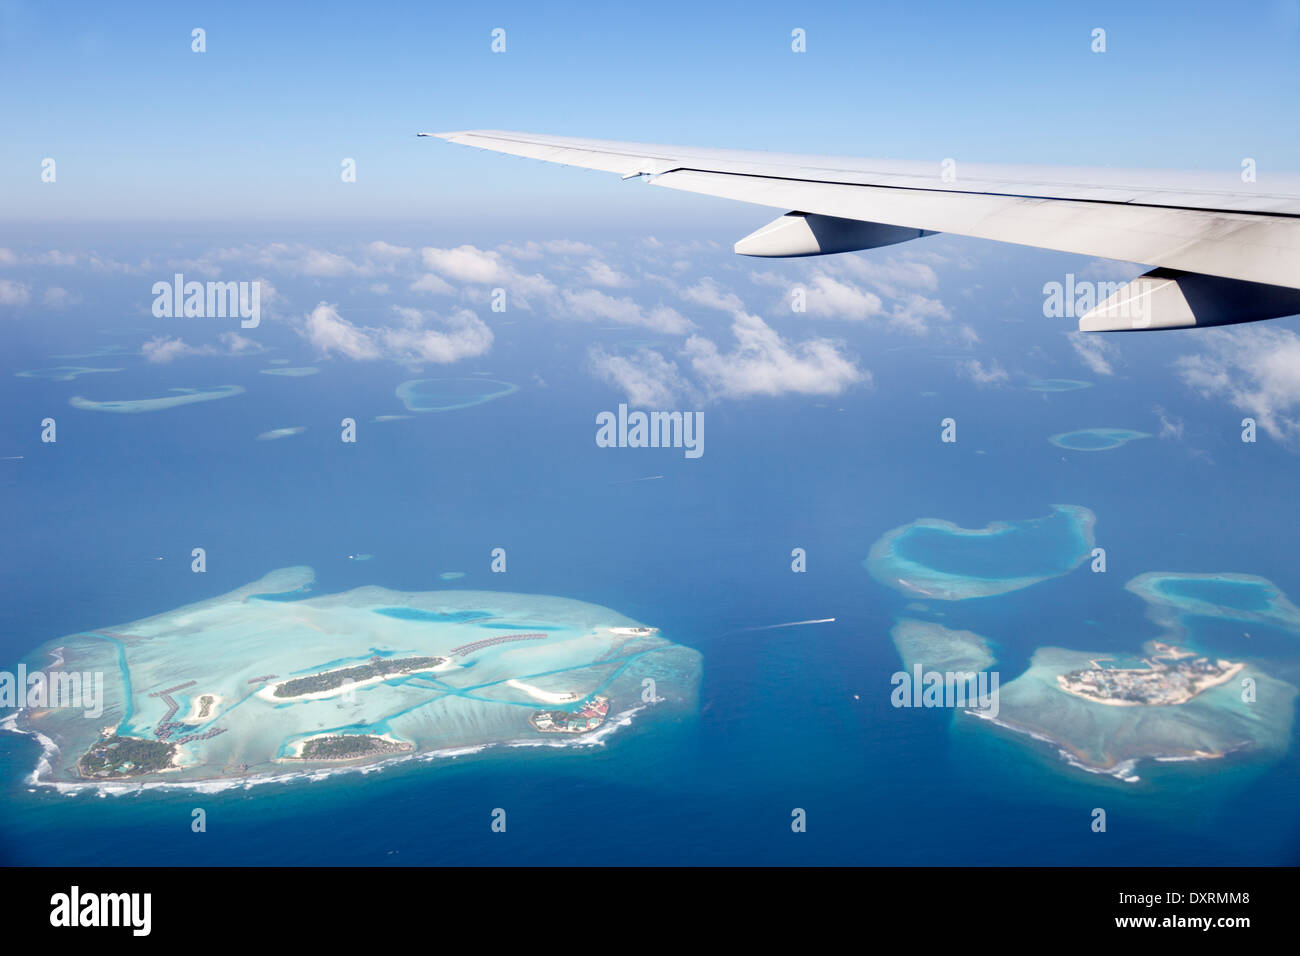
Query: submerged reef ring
1237,597
295,372
62,373
274,681
446,394
1057,385
937,559
186,396
275,433
1096,439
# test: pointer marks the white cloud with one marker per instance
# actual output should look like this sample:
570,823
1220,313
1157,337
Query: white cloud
13,293
316,262
707,293
1096,352
466,264
476,266
860,288
557,247
1171,426
765,364
831,298
287,258
974,370
647,378
1256,369
592,304
600,273
57,297
913,312
465,336
330,333
59,258
296,259
434,284
461,335
891,276
163,349
383,250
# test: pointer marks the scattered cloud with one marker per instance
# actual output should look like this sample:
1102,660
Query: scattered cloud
163,349
592,304
599,272
383,250
707,293
975,370
647,378
433,284
555,247
13,293
1171,426
57,297
913,312
458,336
467,264
763,363
1094,351
834,299
1256,370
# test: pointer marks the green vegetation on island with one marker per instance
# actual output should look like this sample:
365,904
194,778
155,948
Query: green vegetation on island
190,695
349,747
115,756
378,667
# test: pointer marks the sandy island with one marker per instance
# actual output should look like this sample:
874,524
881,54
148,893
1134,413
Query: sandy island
196,715
268,691
298,745
545,696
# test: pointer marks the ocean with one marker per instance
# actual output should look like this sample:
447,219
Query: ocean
100,525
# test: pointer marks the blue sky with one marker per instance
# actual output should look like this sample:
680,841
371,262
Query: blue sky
256,127
227,164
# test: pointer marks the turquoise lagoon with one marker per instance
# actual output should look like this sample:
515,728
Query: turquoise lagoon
447,394
1057,385
233,648
183,396
1096,439
937,559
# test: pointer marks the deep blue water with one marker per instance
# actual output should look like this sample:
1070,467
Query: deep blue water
789,718
1238,595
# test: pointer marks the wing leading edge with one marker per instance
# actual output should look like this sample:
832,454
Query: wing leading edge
1223,254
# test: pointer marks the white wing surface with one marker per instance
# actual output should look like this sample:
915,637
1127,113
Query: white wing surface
1224,251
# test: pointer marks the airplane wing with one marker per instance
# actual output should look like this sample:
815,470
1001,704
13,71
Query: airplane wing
1224,251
